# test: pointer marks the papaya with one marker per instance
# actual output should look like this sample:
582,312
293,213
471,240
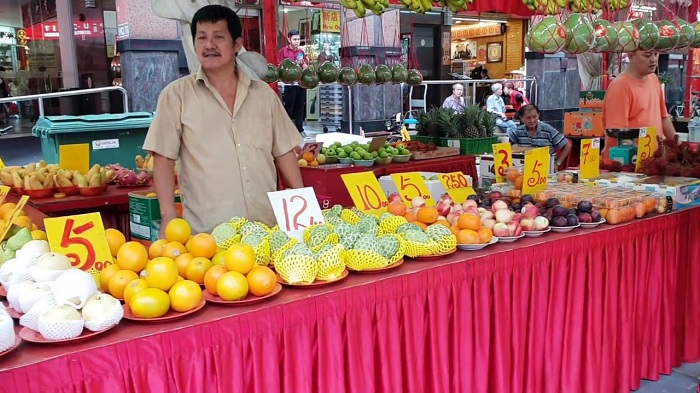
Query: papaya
382,74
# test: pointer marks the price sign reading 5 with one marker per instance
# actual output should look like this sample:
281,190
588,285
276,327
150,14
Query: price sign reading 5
590,158
502,160
295,210
646,145
410,186
82,239
536,170
457,186
365,191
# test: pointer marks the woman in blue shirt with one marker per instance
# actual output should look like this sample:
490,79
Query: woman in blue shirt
495,105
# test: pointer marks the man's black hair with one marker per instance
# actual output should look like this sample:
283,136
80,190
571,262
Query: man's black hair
528,108
292,33
215,13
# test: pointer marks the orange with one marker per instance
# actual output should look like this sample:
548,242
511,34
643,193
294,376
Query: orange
178,230
219,258
161,273
133,287
188,243
179,278
455,229
261,280
132,256
105,274
150,303
427,215
485,235
410,216
202,245
173,250
397,208
39,235
518,183
232,286
512,174
239,258
23,221
469,221
467,236
211,277
182,261
6,207
151,195
197,269
7,215
308,156
185,295
603,212
115,239
313,163
119,281
156,248
442,222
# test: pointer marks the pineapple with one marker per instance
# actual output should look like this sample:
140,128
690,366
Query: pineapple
470,122
486,124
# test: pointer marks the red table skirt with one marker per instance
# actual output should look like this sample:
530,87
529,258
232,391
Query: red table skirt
589,311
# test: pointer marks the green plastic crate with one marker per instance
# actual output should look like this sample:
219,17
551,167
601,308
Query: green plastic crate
470,146
426,139
113,138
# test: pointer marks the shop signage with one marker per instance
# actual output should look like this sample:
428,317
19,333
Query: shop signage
311,4
446,43
502,157
296,210
7,35
122,19
365,191
410,186
646,145
330,21
536,170
457,186
478,30
49,30
313,148
590,158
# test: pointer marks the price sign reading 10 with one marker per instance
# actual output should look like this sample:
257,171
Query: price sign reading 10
365,191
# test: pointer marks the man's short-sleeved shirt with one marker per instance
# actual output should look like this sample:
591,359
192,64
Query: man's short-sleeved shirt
226,158
545,136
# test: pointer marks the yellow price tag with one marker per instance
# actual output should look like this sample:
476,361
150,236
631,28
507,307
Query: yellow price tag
502,160
457,186
410,186
4,190
536,170
2,164
589,159
82,239
365,191
15,213
74,157
646,145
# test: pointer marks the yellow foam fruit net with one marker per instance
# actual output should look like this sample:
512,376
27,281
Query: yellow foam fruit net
400,252
391,224
446,244
364,260
297,269
350,216
261,245
330,262
225,236
237,222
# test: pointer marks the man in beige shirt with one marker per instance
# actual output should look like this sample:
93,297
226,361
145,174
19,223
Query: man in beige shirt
229,132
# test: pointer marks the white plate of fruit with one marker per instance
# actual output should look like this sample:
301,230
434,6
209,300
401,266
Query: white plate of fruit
476,247
589,225
565,229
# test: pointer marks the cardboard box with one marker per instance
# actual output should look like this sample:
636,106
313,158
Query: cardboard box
584,124
434,186
144,216
684,191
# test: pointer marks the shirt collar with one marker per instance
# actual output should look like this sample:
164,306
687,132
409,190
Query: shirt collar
244,82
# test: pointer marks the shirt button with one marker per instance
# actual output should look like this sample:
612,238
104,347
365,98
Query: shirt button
239,145
243,168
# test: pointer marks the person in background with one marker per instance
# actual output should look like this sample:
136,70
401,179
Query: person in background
516,98
4,113
634,100
495,105
327,54
294,95
455,100
229,132
536,133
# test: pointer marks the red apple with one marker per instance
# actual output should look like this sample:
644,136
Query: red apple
500,230
472,210
514,229
395,197
488,223
443,208
530,211
527,224
418,202
453,216
446,198
498,205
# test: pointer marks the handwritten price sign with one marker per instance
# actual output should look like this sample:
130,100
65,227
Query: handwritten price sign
536,170
82,239
295,210
313,148
502,160
365,191
457,186
411,185
590,158
646,145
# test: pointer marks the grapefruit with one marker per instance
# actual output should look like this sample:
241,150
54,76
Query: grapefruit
119,281
202,245
132,256
211,277
232,286
173,250
261,280
115,239
105,274
239,258
178,230
197,268
39,235
182,261
156,248
161,273
185,295
150,303
133,287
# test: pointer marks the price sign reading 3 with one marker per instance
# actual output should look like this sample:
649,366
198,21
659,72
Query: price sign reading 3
646,145
590,158
536,170
365,191
502,160
296,210
82,239
457,186
412,185
313,148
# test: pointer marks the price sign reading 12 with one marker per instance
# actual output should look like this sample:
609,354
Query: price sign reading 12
536,170
590,158
82,239
365,191
502,160
646,145
457,186
296,210
411,185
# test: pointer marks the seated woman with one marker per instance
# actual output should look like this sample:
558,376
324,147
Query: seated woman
535,133
495,105
455,101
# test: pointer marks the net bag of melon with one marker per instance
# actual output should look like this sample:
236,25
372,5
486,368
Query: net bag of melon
225,236
365,254
546,36
298,266
330,262
280,242
580,35
317,236
416,242
260,242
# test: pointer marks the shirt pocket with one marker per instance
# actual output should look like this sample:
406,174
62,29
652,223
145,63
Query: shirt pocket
254,134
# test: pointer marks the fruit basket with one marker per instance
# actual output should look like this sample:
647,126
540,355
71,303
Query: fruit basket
345,160
365,163
39,194
92,191
399,158
383,161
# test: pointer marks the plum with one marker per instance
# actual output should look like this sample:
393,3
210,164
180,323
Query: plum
559,221
573,211
495,195
559,211
542,211
572,220
551,202
585,217
527,198
539,205
516,207
476,198
585,207
595,216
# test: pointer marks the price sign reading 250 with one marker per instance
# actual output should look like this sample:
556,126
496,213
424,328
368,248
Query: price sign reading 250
454,180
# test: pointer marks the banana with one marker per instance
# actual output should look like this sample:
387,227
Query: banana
427,5
349,4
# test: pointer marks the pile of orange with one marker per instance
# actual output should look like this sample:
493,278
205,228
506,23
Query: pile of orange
469,230
21,220
307,159
239,276
514,177
422,216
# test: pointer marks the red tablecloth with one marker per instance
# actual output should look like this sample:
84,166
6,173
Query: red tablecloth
589,311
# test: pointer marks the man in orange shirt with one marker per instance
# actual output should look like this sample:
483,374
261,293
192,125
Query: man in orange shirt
634,100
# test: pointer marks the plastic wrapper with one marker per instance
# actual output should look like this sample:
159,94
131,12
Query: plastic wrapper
606,36
628,37
580,35
546,36
668,35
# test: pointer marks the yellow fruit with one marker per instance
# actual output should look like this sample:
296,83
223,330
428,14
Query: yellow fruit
240,258
173,250
161,273
39,235
219,259
134,287
261,280
150,303
303,163
132,256
232,286
151,195
197,268
105,274
24,222
156,248
6,207
178,230
185,295
115,239
189,243
182,261
212,277
119,281
202,245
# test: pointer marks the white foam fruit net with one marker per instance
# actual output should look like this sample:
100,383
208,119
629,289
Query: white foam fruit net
73,288
30,320
31,296
7,331
16,292
107,320
41,274
59,329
